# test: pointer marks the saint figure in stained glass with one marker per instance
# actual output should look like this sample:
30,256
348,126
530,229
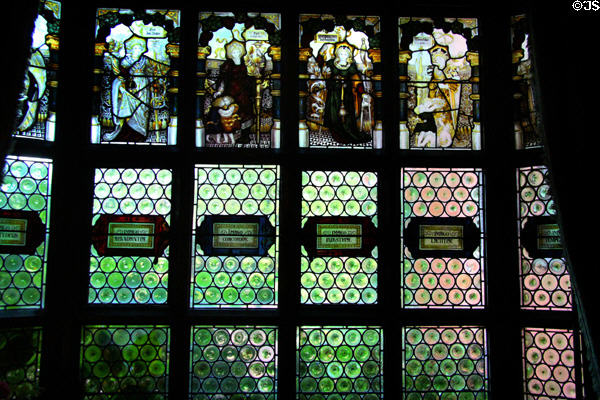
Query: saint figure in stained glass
36,108
231,115
238,103
133,91
340,68
439,101
136,77
348,107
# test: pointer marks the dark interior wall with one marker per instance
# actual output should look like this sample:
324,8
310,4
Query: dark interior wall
567,61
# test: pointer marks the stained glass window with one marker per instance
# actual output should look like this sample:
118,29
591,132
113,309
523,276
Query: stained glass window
36,109
125,362
445,363
549,364
130,236
439,83
340,81
20,353
236,236
336,361
136,69
24,222
525,116
237,362
545,281
443,235
239,71
339,249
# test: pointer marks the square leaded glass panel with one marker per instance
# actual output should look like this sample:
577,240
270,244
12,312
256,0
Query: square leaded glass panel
129,261
238,362
236,236
20,353
125,361
339,246
24,229
549,364
445,362
545,280
443,238
336,361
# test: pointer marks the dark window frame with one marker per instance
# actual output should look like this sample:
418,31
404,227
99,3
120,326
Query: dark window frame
75,158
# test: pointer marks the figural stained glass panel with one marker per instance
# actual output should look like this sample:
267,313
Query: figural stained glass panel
20,353
129,261
239,72
525,116
443,238
238,362
336,361
338,239
136,70
24,229
445,363
549,364
125,361
36,107
340,81
236,236
439,83
545,280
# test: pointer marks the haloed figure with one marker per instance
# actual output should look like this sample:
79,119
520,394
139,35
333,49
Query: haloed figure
346,96
130,91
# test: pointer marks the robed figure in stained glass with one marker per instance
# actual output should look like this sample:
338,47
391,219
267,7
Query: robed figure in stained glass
442,100
232,110
348,108
340,66
135,90
238,94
